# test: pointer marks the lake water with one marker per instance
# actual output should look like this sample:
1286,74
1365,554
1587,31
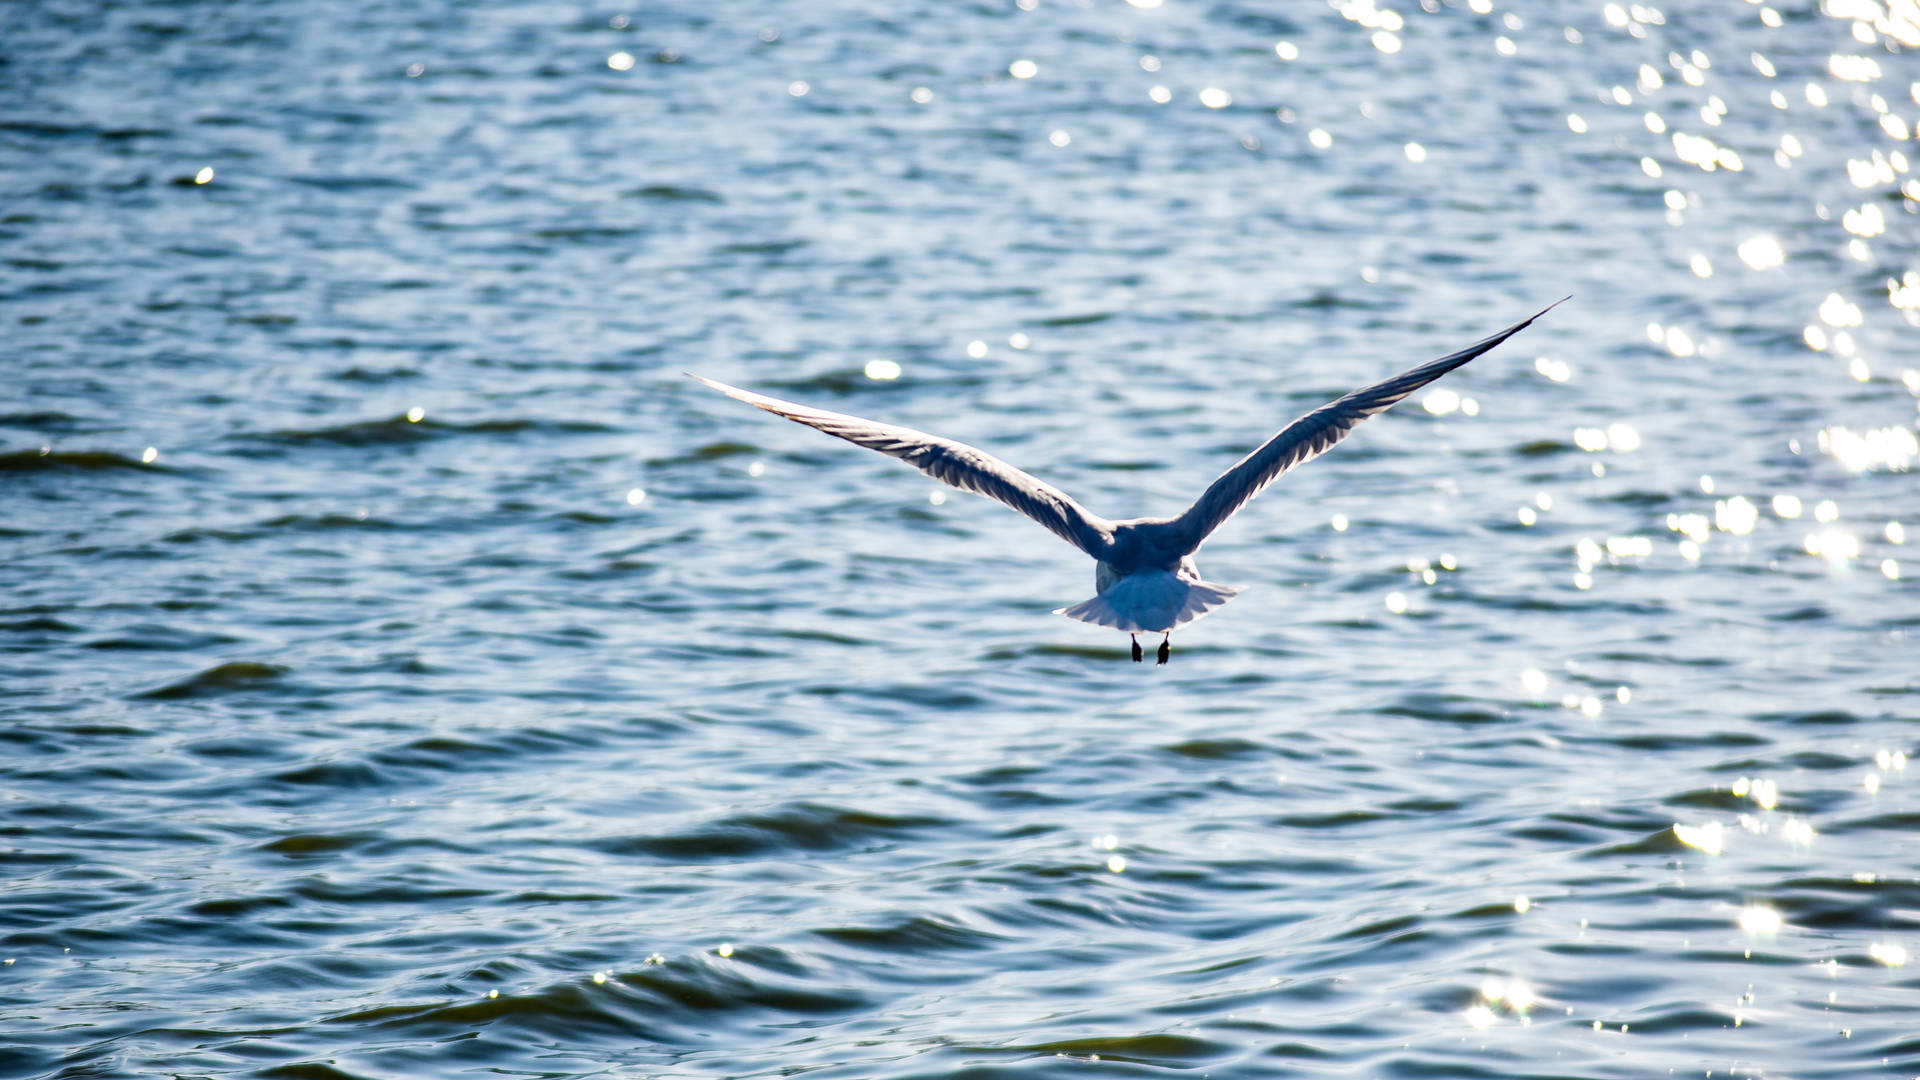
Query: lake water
409,673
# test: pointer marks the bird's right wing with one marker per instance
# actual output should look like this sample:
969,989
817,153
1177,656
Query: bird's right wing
950,462
1315,433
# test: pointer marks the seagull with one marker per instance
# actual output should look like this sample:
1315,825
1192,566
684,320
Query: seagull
1144,577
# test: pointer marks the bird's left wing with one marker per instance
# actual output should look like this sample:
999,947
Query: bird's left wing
1316,433
950,462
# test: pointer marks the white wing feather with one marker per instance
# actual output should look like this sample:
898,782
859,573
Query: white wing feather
950,462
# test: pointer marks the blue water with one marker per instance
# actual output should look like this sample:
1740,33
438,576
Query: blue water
407,672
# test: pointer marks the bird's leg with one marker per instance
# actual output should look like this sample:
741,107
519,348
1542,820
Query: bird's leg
1166,648
1137,654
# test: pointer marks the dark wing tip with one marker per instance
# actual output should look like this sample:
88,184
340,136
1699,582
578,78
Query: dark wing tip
1528,321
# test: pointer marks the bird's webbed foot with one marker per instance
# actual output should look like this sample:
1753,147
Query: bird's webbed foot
1137,654
1166,648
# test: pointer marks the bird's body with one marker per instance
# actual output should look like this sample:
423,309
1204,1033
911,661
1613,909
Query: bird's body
1145,579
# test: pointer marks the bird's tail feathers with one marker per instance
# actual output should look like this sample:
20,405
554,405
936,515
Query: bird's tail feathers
1151,603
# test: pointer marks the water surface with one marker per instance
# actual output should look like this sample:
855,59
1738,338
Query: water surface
408,673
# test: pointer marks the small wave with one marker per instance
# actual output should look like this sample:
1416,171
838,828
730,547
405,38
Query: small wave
674,193
396,430
315,843
196,534
1161,1050
713,451
676,1003
918,935
355,183
76,460
1895,823
1323,300
373,846
1227,749
1660,841
809,827
1834,903
1817,718
1004,653
446,753
232,677
1339,819
82,131
42,624
1088,318
48,420
1707,799
374,376
1447,708
328,523
839,382
1682,740
341,775
589,233
400,431
763,247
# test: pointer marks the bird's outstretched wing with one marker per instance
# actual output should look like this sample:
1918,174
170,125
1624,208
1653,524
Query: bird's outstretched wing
949,462
1315,433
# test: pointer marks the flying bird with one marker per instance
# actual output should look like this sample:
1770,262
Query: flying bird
1144,577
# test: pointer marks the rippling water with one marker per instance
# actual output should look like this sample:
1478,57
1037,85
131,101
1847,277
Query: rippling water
409,673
